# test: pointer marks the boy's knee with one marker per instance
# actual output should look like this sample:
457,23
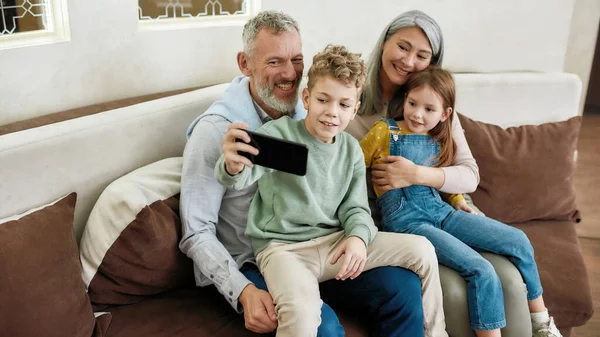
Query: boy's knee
425,251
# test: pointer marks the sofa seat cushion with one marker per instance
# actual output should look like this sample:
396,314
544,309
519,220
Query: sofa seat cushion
188,312
562,271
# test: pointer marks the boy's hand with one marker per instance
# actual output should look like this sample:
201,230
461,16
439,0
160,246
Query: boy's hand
355,258
234,163
463,206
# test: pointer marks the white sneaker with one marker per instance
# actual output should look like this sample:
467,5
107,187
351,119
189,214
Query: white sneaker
547,330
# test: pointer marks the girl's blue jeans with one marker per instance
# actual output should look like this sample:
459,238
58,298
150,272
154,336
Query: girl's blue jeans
458,237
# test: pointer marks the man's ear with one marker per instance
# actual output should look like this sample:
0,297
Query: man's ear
446,114
244,63
305,98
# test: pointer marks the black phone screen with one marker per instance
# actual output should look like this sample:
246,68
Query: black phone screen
278,154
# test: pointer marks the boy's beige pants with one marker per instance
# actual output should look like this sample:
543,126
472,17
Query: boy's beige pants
293,273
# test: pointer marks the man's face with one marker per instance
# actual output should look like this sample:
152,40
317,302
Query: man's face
276,69
331,105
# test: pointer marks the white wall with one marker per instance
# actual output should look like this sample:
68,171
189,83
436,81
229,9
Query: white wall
582,42
107,58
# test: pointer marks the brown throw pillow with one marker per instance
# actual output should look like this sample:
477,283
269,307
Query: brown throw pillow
40,276
526,171
130,246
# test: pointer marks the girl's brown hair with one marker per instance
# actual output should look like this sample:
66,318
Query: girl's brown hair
440,81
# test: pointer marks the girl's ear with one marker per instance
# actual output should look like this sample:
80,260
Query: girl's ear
446,114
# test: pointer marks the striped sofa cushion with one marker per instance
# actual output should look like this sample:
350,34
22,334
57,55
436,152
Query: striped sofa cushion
129,248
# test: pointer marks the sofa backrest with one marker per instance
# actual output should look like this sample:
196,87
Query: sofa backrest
88,153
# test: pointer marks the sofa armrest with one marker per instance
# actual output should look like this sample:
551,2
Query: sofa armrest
454,288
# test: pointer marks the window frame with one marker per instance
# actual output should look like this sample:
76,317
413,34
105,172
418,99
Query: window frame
59,30
254,7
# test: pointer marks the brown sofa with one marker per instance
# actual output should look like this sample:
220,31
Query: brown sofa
197,312
168,304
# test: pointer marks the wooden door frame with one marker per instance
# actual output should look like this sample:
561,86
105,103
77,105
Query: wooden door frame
592,97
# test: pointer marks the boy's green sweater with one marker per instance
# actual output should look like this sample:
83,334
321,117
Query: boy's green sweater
332,196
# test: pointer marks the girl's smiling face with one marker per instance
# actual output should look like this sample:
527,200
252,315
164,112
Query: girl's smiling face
424,109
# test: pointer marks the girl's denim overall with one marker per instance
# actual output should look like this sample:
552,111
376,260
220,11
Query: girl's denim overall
457,236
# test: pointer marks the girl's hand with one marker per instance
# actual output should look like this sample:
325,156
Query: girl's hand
354,251
463,206
234,163
394,172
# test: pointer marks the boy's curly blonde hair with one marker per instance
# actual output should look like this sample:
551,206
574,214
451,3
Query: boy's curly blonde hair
342,65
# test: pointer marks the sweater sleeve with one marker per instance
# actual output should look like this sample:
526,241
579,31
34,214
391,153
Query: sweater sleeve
241,180
354,212
374,142
463,175
246,177
454,199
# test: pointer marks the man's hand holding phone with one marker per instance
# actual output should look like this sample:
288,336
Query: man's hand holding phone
234,162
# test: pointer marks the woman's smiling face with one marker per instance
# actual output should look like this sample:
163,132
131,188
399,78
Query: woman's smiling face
404,53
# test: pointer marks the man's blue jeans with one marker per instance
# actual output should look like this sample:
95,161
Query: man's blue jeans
389,298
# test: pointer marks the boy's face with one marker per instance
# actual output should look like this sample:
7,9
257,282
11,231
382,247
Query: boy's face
331,105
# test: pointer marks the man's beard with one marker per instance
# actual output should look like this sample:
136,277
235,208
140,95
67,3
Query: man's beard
265,92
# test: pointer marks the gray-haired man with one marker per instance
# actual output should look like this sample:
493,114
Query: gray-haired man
214,218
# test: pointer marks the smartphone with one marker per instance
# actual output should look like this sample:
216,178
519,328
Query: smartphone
278,154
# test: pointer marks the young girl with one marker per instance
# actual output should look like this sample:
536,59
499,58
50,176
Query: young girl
422,133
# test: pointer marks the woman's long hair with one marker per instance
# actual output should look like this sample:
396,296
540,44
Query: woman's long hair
441,82
372,96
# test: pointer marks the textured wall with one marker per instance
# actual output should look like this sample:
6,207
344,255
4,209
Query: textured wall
108,58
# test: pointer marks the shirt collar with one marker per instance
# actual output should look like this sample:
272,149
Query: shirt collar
264,117
262,114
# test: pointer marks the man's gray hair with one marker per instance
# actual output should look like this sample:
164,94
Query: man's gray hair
372,98
274,21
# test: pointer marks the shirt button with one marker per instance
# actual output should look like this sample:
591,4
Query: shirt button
212,276
230,293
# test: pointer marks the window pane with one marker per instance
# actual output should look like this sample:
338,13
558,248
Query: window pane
163,9
19,16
